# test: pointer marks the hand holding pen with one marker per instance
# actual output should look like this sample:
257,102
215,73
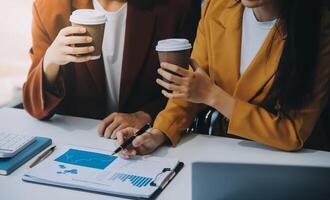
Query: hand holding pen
134,141
129,141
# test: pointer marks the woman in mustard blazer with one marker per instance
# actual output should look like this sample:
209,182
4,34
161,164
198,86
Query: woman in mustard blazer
263,64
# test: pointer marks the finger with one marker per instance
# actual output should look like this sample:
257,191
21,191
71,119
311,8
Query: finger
174,95
77,59
127,154
194,65
126,132
201,71
105,123
109,130
142,139
121,137
78,50
123,156
70,30
113,135
130,152
119,128
170,86
174,68
170,77
76,40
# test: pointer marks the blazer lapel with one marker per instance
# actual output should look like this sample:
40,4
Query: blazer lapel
227,73
226,32
262,68
95,67
139,31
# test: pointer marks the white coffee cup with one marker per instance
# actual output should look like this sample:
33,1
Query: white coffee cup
175,51
94,22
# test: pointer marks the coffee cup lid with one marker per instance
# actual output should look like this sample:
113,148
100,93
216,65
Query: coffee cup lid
88,17
175,44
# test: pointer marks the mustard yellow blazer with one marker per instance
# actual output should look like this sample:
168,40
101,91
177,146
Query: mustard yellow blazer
217,49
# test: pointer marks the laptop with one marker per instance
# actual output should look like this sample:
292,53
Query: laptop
217,181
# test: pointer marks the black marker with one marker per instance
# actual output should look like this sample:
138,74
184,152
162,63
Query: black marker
130,140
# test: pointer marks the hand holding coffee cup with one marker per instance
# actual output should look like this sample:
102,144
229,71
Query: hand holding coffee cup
179,82
174,51
61,51
74,44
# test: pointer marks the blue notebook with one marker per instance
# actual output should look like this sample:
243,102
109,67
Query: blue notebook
8,165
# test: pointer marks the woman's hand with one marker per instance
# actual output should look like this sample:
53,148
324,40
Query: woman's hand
146,143
118,121
193,86
62,52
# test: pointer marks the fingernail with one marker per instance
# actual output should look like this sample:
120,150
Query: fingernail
133,153
83,30
90,39
91,48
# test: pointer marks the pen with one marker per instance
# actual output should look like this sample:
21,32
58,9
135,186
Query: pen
43,156
130,140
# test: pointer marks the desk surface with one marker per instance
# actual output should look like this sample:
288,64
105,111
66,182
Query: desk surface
83,132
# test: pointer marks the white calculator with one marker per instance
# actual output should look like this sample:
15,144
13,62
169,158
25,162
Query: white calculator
11,144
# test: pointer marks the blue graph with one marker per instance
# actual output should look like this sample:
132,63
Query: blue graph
137,181
86,159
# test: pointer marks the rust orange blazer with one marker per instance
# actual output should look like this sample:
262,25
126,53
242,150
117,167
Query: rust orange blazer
80,88
217,50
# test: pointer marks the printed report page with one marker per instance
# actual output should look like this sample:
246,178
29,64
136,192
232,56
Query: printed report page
97,170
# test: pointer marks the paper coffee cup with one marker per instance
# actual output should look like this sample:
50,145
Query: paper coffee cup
175,51
94,22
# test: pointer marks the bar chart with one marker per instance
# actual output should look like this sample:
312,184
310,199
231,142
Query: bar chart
137,181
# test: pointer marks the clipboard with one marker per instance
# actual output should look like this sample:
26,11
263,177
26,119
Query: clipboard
168,181
116,181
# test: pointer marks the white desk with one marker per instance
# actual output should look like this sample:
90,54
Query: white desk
70,130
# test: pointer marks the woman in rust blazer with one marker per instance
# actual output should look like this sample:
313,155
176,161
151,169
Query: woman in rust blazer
277,101
79,87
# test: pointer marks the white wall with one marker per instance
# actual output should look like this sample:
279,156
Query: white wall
15,41
15,34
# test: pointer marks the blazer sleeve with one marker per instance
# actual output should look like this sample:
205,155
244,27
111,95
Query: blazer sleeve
39,100
179,114
286,133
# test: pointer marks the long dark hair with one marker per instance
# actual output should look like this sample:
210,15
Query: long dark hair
294,79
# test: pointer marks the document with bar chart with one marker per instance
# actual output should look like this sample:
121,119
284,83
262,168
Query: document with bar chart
98,171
